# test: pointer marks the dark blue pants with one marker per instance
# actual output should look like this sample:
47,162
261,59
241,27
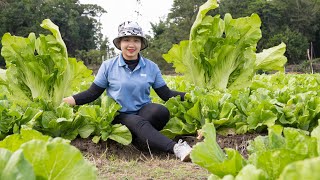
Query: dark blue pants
146,124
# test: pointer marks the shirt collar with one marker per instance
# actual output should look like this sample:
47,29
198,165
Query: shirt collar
121,62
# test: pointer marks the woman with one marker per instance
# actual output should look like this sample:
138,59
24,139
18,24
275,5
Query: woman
127,79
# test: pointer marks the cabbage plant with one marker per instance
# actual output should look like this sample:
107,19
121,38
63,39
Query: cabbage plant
221,53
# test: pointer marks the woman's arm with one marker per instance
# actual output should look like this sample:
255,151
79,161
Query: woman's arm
165,93
86,96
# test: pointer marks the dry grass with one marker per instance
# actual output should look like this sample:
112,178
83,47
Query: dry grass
157,168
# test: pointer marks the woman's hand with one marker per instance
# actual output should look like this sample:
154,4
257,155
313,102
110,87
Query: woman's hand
69,100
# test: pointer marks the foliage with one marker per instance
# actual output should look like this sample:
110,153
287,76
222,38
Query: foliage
99,119
90,57
287,99
209,155
38,77
281,147
13,116
270,157
299,170
30,155
14,165
39,67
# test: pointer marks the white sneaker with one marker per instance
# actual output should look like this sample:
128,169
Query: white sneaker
182,150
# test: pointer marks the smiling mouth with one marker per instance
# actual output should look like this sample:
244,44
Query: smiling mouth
131,50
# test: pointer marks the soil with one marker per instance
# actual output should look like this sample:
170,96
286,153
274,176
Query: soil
116,161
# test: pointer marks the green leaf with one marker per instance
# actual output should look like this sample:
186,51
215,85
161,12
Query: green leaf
250,172
195,112
203,9
316,134
209,155
274,152
55,160
15,166
121,134
177,126
86,130
14,141
305,169
96,139
48,24
272,58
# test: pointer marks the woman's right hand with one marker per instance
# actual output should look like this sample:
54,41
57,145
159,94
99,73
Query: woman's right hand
69,100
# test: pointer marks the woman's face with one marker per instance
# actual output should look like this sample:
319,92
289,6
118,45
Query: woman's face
130,47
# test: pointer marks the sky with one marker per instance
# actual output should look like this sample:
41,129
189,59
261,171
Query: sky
119,11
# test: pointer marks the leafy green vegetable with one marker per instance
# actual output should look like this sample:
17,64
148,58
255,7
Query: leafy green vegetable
43,157
56,160
120,134
14,141
15,166
316,134
39,74
220,54
274,152
98,122
209,155
249,172
13,116
39,68
305,169
2,74
185,117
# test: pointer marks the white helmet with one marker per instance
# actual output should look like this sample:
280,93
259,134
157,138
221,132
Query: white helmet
129,28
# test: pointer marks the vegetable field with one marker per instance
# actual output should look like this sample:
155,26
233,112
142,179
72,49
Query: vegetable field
226,96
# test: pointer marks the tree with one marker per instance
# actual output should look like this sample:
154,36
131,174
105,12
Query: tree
303,16
105,49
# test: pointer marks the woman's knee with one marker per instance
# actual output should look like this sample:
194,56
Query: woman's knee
154,111
157,114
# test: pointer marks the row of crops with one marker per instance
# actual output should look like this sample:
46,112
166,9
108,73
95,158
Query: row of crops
224,95
290,151
289,100
283,106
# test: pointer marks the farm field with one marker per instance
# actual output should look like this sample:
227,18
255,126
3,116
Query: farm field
276,108
251,124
